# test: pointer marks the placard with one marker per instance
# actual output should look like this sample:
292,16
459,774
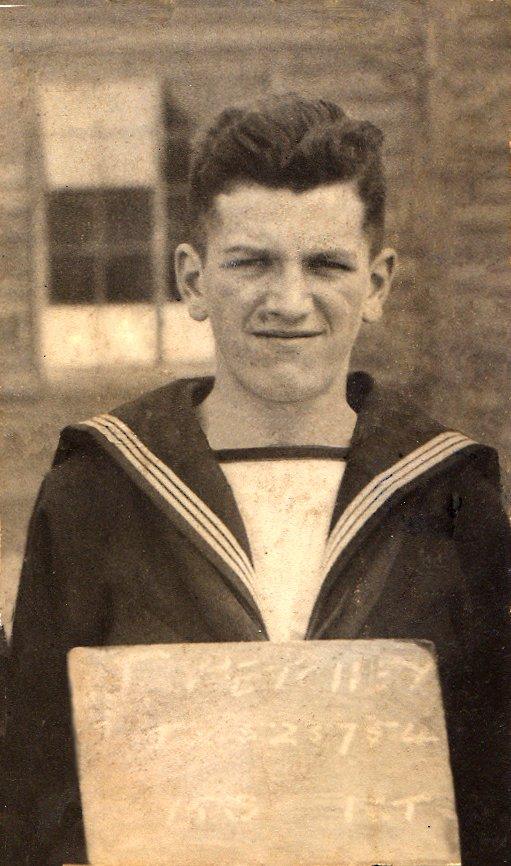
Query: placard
299,754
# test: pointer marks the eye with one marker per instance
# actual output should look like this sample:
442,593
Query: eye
328,264
245,262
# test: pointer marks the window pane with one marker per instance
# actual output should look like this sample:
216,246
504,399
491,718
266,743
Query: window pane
70,217
128,215
72,280
129,278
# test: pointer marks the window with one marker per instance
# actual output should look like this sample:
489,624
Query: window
114,162
101,172
100,245
104,163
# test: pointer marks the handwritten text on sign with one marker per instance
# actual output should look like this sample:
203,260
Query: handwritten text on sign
302,753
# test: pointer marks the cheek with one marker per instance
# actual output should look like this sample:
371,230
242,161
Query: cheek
226,318
343,307
230,306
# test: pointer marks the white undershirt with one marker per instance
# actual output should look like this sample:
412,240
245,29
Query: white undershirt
286,506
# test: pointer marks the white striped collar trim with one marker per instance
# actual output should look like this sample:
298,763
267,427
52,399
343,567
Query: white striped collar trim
173,490
384,485
177,494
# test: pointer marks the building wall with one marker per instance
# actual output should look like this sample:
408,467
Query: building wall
16,327
469,379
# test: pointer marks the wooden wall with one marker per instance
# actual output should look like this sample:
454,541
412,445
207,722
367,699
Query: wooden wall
431,74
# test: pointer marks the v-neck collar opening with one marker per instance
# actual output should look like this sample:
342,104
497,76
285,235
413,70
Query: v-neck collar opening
163,428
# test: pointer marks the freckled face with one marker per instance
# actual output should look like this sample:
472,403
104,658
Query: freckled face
285,283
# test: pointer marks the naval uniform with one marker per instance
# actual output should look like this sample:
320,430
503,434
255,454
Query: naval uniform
142,534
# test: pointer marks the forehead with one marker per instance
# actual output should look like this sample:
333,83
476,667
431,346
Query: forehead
323,216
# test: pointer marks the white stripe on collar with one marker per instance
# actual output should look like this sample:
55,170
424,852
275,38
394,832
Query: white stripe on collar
213,530
382,486
177,494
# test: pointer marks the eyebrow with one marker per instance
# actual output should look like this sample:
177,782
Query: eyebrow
245,248
330,253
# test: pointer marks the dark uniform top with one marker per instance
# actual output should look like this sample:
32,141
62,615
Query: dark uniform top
136,539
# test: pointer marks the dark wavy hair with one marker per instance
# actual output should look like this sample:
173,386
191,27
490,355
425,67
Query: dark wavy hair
287,142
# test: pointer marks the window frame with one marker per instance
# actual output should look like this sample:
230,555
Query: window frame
158,244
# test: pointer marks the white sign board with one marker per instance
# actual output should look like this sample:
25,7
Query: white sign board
260,754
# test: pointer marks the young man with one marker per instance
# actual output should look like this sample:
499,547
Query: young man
285,499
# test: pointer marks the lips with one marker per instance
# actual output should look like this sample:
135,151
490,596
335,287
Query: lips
287,335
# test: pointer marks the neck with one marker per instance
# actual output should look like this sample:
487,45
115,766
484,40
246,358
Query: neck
232,417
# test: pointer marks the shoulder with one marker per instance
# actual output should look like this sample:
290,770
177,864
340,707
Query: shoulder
416,429
396,436
163,421
85,471
467,470
82,490
166,408
432,466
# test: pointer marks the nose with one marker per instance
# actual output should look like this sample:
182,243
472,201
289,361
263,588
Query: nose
289,297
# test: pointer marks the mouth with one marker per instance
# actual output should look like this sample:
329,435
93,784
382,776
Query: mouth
287,335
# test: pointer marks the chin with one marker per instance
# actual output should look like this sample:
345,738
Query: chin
286,389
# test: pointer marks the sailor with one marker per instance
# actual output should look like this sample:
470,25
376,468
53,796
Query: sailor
285,498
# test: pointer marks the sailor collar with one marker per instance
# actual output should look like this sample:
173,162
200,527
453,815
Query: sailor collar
159,443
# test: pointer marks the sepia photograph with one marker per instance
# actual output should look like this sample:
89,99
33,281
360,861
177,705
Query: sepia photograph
255,402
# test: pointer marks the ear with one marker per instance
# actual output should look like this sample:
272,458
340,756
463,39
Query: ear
189,270
382,271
